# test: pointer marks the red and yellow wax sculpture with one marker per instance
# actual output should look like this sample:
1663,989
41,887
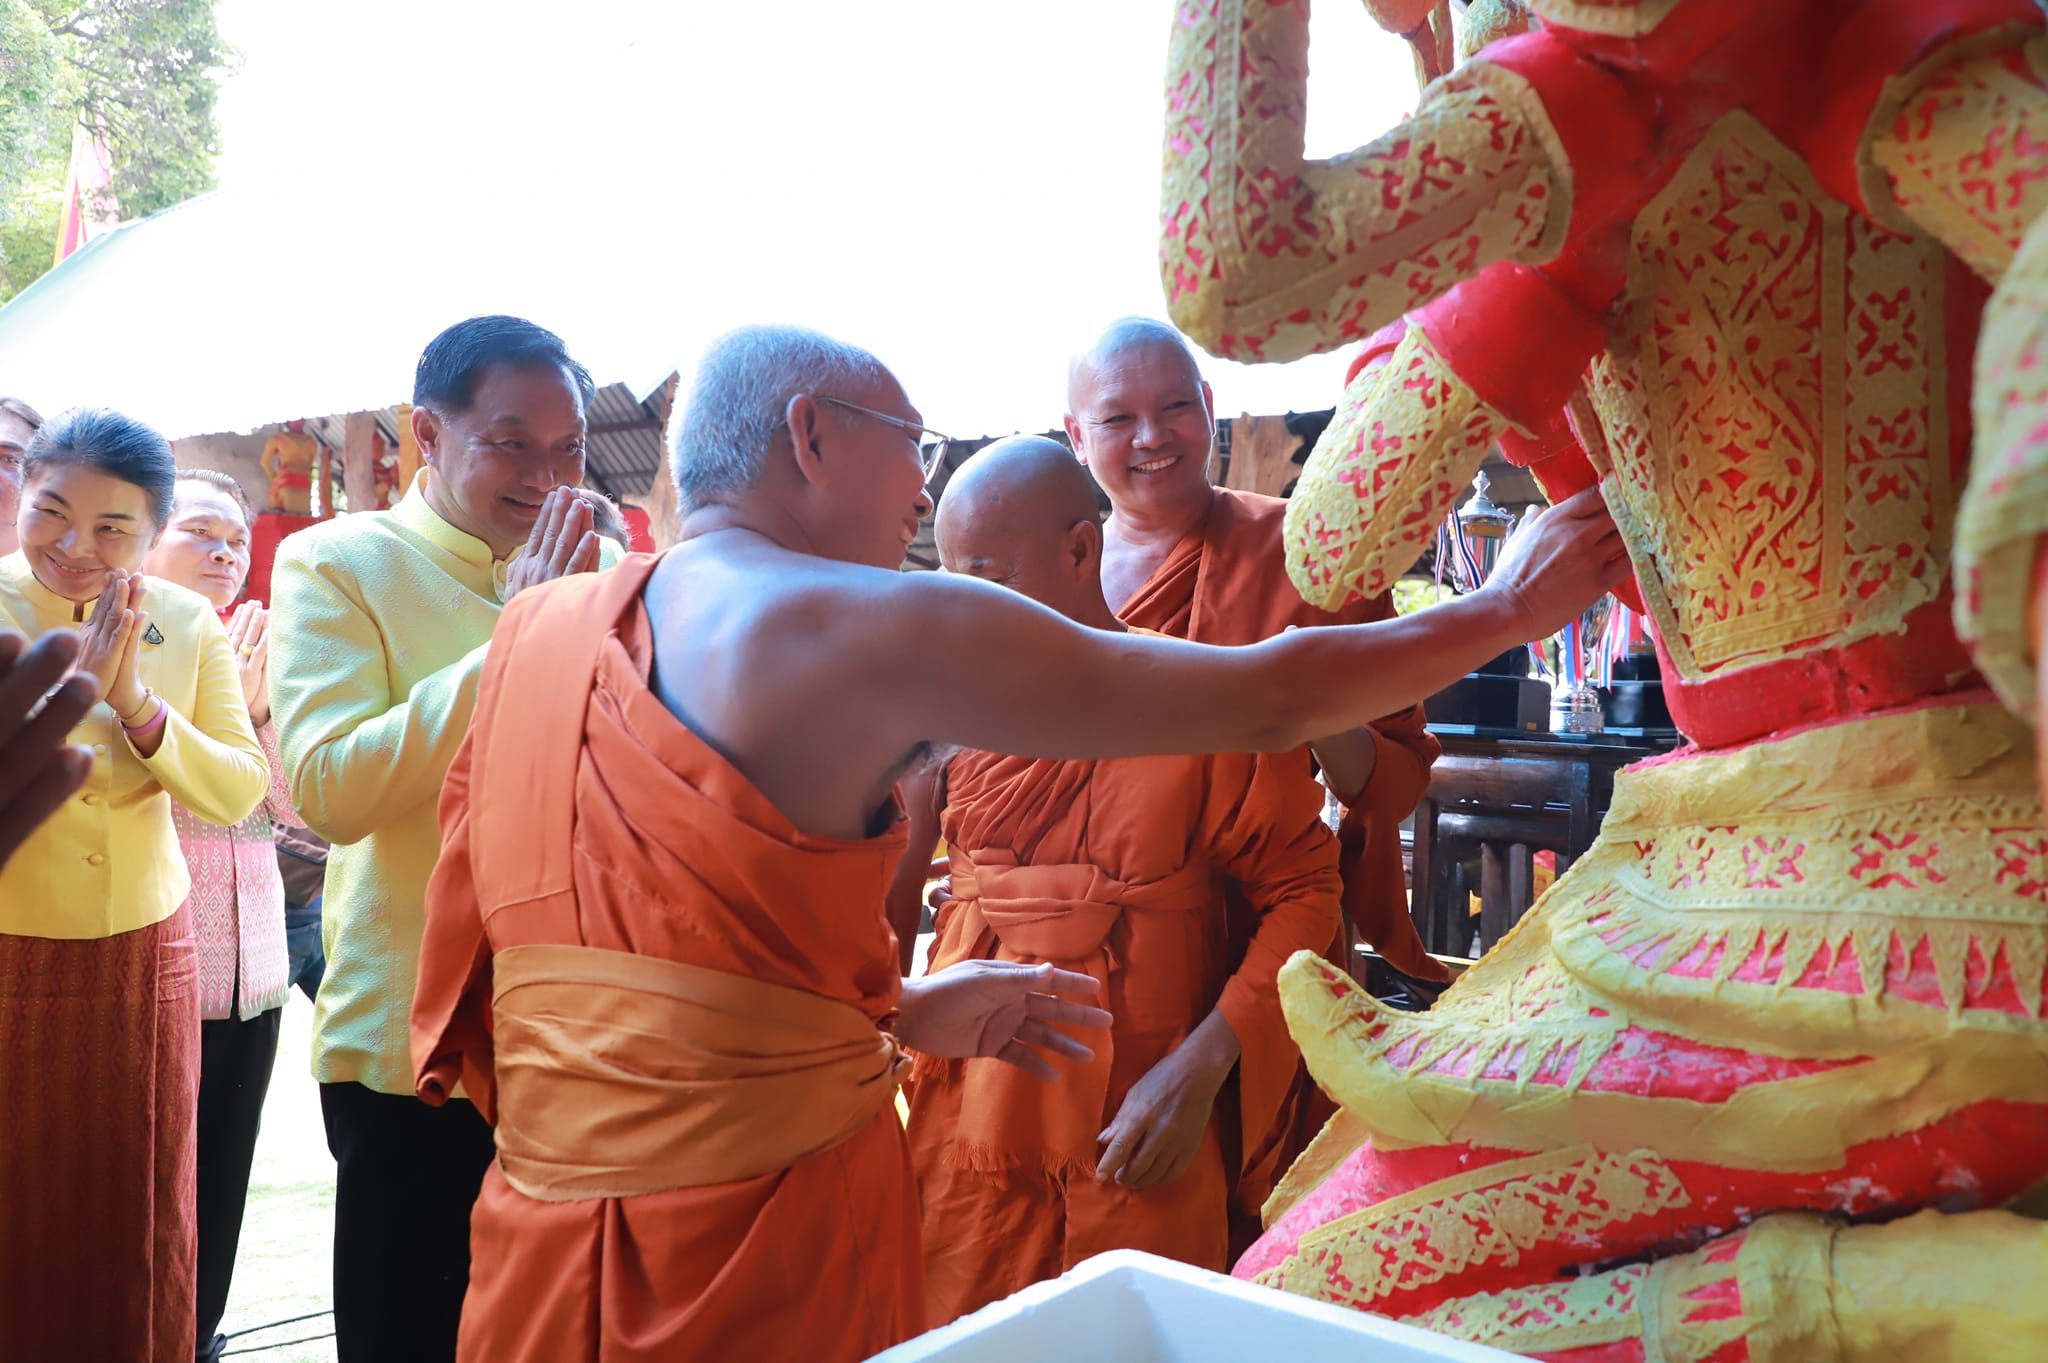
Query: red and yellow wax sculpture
1728,258
288,457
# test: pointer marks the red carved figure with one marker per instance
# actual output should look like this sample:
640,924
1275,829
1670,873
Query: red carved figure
1727,258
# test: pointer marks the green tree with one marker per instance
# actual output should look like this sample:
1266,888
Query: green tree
143,72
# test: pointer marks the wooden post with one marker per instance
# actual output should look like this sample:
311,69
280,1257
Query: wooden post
664,518
358,460
323,488
664,515
409,457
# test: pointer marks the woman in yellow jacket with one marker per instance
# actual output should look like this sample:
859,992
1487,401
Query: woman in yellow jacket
99,1014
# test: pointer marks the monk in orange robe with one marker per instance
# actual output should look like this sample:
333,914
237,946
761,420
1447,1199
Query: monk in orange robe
1195,561
655,953
1117,870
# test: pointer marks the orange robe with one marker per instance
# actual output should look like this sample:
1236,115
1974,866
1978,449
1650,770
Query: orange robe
1117,869
1226,583
675,858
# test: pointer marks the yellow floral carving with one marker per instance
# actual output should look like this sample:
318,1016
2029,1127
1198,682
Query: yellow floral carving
1575,1314
1771,412
1489,1216
1622,18
1959,155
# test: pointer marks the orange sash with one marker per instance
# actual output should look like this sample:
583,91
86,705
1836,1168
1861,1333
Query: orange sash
621,1075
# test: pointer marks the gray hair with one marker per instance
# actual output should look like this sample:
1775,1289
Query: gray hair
740,399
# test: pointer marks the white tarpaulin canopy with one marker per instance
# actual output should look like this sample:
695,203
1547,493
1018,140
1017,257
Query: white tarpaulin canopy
969,191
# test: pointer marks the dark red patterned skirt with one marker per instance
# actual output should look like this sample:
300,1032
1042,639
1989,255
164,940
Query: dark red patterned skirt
99,1086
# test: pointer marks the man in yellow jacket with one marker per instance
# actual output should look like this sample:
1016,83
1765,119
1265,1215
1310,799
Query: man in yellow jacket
380,624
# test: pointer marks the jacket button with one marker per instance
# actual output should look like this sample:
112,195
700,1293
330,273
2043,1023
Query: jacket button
89,798
99,750
96,859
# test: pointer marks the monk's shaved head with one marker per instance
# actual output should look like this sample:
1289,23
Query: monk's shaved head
1019,492
1119,340
1143,421
1024,513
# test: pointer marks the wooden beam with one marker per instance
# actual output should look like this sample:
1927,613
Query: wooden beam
358,460
664,516
1262,455
409,457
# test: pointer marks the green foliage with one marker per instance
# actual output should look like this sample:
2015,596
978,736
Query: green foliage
144,72
33,152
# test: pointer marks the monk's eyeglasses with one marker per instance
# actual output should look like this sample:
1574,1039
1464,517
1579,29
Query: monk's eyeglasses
929,456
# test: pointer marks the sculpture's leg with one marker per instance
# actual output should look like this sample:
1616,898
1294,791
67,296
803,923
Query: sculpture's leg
1791,1289
1397,1231
1756,994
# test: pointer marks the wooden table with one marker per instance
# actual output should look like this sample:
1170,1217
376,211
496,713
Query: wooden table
1510,796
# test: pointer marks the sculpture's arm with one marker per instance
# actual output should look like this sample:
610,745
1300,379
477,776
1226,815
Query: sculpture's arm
1428,400
1267,255
2003,519
1408,437
1963,154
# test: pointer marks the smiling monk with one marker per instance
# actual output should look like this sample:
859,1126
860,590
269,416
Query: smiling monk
656,954
1195,561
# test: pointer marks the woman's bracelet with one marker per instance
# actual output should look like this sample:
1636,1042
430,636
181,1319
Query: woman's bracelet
148,694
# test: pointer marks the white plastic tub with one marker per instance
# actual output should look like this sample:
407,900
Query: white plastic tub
1128,1307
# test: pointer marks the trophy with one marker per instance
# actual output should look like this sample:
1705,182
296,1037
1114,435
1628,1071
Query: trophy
1471,539
1501,695
1581,651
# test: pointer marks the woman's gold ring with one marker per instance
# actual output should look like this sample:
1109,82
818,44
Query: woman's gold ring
248,650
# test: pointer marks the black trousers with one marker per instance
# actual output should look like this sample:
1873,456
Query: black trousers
235,1059
406,1177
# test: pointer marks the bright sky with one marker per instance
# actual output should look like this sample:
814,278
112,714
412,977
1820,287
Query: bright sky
968,189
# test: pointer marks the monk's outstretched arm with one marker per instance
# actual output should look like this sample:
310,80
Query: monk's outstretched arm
1025,680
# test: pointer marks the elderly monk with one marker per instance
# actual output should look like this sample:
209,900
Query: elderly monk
656,955
1189,559
1116,869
